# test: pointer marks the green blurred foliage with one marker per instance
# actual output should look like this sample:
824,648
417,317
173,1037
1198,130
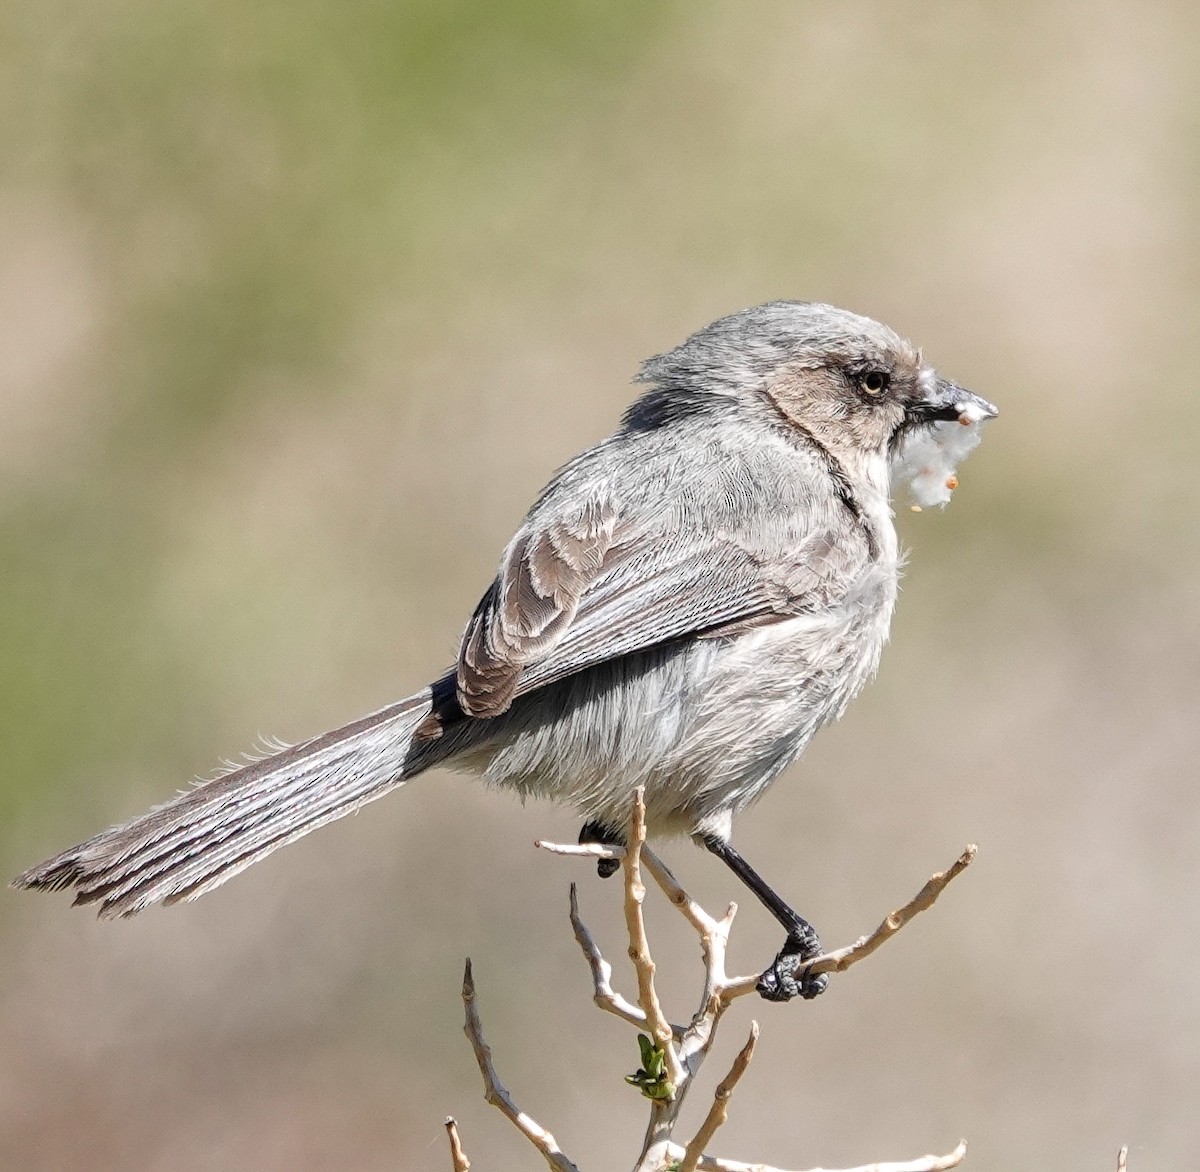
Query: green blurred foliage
243,180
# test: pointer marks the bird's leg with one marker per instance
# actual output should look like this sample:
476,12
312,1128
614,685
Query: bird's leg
593,831
787,977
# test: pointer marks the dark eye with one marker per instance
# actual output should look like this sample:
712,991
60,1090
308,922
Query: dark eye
875,382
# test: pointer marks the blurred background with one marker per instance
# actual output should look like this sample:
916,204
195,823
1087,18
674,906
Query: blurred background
300,304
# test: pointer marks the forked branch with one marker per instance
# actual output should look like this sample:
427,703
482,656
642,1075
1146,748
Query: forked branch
494,1090
674,1054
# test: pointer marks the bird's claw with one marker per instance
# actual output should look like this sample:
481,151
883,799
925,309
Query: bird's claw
593,831
790,974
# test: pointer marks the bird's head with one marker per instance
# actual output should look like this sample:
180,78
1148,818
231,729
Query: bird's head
850,383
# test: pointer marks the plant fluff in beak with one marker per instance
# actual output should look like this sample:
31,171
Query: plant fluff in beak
940,431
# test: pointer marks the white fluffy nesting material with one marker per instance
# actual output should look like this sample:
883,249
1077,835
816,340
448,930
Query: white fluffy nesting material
929,458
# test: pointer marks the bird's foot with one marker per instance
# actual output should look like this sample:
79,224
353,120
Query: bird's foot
598,832
790,973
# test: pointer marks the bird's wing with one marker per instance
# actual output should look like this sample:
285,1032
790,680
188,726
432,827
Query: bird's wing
573,593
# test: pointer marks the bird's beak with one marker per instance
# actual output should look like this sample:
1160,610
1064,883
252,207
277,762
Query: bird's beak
949,402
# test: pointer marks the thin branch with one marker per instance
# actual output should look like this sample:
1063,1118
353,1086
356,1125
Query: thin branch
921,1164
494,1090
922,901
673,890
582,850
719,1111
839,960
603,994
457,1155
639,947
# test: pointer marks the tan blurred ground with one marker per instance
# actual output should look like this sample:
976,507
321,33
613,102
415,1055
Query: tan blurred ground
299,304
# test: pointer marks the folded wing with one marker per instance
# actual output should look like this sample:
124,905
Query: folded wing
573,592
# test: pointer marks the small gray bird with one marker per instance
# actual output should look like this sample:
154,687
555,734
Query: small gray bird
685,604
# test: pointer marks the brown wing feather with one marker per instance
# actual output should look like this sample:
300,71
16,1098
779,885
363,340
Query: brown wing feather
570,596
544,575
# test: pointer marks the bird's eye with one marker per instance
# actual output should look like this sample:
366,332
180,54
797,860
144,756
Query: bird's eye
875,382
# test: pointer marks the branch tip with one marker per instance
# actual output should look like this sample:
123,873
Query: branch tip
495,1092
458,1157
841,959
719,1111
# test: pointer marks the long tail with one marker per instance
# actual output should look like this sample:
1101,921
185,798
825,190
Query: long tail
188,846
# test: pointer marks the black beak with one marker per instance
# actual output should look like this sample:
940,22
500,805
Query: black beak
950,403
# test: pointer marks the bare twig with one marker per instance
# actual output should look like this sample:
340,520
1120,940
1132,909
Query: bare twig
639,947
921,1164
457,1155
603,993
841,959
582,850
494,1090
719,1111
922,901
673,890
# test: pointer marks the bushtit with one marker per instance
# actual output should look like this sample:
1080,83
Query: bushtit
684,605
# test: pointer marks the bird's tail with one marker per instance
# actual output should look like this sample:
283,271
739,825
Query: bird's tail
188,846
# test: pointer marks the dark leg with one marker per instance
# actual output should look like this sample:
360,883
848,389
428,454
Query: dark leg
598,832
787,977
